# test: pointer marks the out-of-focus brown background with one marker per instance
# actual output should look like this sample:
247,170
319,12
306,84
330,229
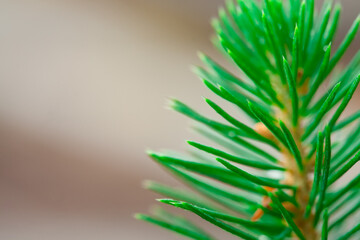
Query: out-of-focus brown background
82,94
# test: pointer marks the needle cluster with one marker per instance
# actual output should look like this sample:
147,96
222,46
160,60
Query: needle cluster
276,172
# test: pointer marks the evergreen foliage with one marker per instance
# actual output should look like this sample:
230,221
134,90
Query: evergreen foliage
279,173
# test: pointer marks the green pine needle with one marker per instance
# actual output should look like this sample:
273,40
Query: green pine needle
323,110
249,131
325,230
292,92
258,226
292,145
350,233
345,44
252,178
353,184
345,101
345,216
181,230
324,175
268,122
287,217
347,121
247,162
317,173
206,216
344,169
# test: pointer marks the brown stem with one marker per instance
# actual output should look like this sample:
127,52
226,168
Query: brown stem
303,180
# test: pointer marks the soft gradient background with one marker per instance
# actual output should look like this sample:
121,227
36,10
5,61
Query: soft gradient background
82,94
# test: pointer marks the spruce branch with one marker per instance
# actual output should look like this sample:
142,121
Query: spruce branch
278,172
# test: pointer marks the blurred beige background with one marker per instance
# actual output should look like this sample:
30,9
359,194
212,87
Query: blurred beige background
82,94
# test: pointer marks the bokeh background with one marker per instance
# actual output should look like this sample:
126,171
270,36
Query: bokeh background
82,94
